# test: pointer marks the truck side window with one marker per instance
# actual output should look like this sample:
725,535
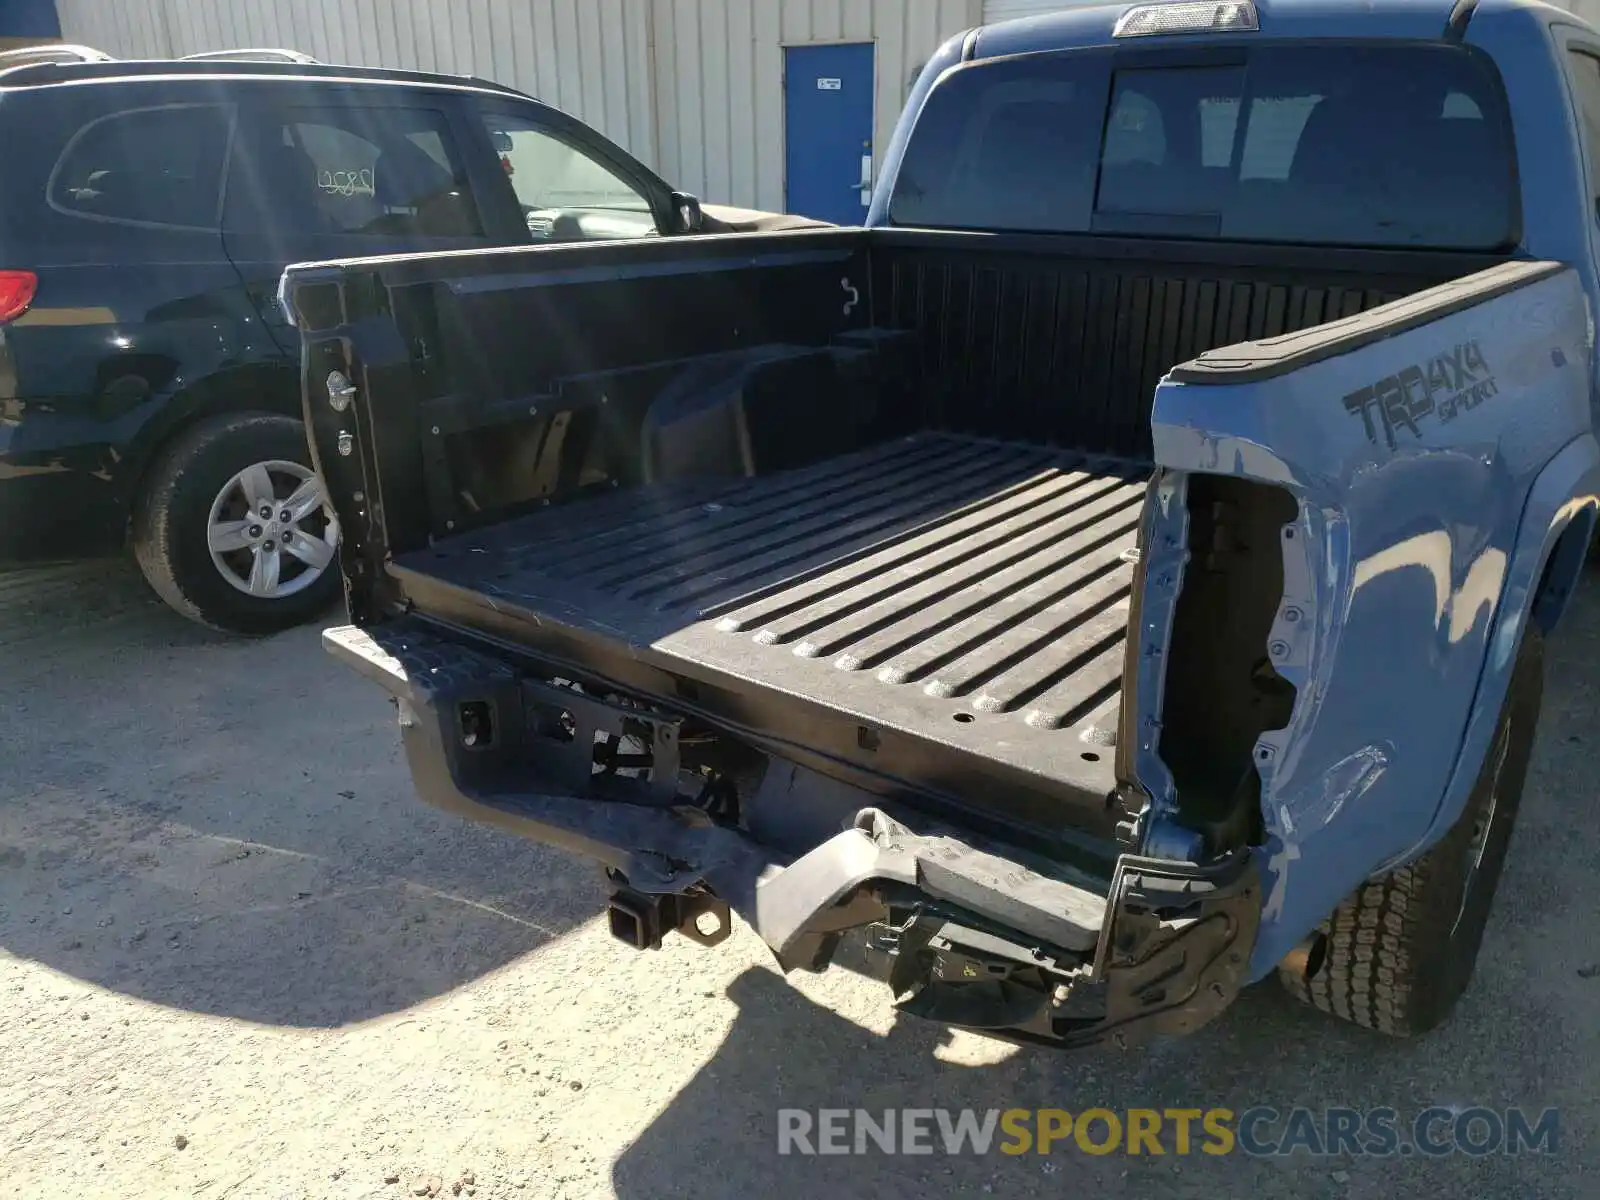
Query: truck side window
150,166
565,194
1586,89
362,172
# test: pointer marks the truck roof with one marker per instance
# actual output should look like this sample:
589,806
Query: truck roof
1076,28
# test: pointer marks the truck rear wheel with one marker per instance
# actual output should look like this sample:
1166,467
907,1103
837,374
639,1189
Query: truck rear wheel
233,529
1398,954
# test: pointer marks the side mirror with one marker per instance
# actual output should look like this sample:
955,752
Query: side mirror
690,218
502,142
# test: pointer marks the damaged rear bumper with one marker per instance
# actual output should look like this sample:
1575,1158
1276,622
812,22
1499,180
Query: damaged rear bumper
981,935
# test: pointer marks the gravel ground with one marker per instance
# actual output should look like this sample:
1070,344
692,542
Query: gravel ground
237,959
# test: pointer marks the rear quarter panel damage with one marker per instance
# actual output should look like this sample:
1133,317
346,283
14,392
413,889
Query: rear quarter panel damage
1433,471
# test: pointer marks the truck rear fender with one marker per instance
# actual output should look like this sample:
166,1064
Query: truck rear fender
1551,548
1435,451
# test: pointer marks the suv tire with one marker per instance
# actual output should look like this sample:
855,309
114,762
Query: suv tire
1398,954
208,547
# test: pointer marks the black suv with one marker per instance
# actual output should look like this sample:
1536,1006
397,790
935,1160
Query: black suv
149,386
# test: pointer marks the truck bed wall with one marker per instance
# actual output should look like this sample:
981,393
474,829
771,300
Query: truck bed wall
1063,340
526,376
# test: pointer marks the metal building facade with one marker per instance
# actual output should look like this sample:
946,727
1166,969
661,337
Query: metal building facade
693,87
590,57
719,75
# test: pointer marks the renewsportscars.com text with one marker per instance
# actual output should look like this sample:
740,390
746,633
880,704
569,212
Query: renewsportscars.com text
1259,1131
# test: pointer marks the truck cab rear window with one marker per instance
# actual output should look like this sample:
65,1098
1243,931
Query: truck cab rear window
1392,146
1005,145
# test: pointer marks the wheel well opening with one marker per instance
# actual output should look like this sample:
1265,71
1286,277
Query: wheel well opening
267,389
1562,570
1316,955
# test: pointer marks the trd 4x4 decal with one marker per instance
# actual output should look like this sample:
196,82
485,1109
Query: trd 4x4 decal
1440,389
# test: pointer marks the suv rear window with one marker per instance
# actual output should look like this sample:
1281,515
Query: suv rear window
149,166
356,171
1348,145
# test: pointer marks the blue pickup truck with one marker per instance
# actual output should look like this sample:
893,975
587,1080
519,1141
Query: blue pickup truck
1117,574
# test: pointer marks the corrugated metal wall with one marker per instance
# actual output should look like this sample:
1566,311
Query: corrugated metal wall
1589,10
693,87
1005,10
590,57
719,71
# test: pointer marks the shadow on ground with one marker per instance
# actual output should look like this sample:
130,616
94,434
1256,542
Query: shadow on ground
1265,1052
1524,1036
226,825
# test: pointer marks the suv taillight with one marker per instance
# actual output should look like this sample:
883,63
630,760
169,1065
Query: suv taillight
16,293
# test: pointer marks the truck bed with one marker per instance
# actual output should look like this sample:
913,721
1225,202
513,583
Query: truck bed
949,599
938,612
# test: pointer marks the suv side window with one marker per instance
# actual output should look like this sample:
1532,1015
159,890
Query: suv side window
151,166
1586,90
565,194
360,172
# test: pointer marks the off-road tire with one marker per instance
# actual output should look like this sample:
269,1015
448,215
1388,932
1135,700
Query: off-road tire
1393,957
170,519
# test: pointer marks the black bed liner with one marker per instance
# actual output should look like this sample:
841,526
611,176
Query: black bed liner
949,608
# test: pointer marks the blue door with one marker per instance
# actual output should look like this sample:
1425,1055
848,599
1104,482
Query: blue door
828,162
29,19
